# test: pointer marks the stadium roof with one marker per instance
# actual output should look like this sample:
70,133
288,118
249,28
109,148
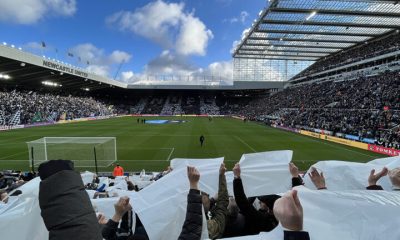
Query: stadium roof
311,29
29,70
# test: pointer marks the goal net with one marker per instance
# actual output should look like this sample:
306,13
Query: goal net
83,151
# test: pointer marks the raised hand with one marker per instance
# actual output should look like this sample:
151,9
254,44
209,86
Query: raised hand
194,177
289,212
317,178
294,171
374,178
102,219
222,169
121,207
236,170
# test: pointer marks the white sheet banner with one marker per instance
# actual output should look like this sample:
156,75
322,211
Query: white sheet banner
266,172
162,205
347,215
366,215
87,177
22,219
341,175
106,206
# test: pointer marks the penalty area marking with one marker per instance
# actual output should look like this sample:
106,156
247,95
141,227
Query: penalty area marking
12,155
241,140
170,154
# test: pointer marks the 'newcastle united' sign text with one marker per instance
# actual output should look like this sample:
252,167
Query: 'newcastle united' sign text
64,69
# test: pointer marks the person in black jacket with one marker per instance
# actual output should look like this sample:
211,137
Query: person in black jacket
123,217
202,139
65,206
256,221
192,226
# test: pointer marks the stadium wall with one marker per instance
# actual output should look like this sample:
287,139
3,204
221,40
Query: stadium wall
347,142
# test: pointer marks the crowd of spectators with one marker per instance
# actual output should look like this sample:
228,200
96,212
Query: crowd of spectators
386,45
368,107
41,107
226,217
10,181
68,213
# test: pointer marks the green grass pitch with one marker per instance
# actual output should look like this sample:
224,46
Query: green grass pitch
147,146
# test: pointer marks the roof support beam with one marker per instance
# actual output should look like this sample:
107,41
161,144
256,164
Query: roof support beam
318,33
302,40
282,50
280,55
336,12
292,46
269,58
335,24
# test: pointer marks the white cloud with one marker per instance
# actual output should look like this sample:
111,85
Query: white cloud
236,43
241,18
119,57
193,37
223,70
245,32
176,69
166,24
32,11
127,76
168,63
99,70
100,62
153,21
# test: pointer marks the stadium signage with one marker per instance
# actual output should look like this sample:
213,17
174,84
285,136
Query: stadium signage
64,69
383,150
336,140
352,143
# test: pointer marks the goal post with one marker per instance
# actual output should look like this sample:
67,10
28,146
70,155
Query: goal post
83,151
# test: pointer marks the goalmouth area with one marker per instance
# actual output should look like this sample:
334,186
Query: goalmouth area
150,146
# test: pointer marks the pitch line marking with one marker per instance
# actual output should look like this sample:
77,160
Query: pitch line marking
170,154
12,155
241,140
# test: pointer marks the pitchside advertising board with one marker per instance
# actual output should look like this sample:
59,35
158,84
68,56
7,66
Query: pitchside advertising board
369,147
383,150
364,146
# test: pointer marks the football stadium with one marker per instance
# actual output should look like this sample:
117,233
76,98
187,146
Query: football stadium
189,120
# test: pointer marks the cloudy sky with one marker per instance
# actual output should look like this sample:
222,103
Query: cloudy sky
136,36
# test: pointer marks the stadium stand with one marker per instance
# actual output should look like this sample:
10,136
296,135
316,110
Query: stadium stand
387,44
34,107
367,107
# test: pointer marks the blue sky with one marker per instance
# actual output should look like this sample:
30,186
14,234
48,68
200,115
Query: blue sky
147,37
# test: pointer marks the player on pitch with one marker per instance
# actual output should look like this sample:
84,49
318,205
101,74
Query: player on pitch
202,139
